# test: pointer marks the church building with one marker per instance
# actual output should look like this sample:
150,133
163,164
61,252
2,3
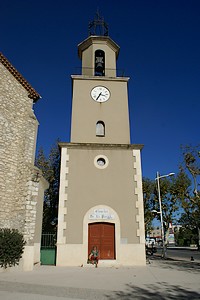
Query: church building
101,200
22,185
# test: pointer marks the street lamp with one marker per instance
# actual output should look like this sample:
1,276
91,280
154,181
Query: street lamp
158,177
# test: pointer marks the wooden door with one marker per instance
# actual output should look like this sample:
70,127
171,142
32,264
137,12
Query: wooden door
102,235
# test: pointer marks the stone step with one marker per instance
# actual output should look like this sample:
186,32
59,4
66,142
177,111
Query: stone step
103,263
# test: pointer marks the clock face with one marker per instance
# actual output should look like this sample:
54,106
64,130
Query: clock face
100,94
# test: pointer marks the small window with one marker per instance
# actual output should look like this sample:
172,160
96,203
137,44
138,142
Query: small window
100,128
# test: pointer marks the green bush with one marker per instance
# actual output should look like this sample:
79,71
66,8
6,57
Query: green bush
181,242
11,247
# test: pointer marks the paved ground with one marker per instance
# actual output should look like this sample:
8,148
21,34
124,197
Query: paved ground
159,279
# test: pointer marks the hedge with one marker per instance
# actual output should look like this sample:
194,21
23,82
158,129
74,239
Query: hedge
11,247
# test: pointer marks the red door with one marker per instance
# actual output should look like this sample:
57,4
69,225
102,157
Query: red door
102,235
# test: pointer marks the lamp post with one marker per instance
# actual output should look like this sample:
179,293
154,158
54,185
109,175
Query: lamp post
158,177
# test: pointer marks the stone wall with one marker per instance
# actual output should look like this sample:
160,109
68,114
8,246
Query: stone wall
19,179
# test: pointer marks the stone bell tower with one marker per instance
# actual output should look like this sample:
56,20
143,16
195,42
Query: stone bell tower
101,201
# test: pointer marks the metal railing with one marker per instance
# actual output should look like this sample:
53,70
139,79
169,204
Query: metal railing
48,240
80,71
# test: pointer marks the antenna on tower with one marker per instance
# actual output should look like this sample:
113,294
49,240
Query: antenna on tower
98,26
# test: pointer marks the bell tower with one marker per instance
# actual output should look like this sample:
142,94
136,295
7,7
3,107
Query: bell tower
101,202
98,94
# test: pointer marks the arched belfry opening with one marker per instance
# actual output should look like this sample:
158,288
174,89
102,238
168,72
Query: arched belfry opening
99,63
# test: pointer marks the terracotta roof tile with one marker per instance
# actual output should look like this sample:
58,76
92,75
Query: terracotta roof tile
32,92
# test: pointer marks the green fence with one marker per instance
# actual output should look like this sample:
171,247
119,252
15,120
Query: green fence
48,249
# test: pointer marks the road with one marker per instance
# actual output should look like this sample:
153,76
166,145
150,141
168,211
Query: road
181,254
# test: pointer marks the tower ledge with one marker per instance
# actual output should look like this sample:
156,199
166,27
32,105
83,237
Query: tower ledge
100,78
100,146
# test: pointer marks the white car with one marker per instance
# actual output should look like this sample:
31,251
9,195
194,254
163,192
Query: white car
149,242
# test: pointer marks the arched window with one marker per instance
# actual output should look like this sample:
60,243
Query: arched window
100,128
99,63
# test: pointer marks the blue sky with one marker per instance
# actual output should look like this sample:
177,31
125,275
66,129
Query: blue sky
159,50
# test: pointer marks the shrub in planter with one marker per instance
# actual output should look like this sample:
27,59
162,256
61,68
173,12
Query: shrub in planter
11,247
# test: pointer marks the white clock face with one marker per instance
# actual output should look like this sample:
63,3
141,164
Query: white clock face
100,94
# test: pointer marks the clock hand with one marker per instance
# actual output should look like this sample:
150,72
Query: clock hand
98,96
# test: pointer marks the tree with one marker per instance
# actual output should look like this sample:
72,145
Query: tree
168,200
50,168
191,163
172,191
186,236
191,202
180,192
148,196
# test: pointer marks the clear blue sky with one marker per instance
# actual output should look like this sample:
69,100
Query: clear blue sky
159,50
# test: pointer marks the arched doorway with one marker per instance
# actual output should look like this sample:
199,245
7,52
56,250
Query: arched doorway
102,235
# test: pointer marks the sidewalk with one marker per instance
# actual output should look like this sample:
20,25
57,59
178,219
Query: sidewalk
159,279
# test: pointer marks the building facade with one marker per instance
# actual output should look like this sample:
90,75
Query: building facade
101,200
21,183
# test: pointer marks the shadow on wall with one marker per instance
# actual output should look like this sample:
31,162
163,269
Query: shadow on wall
161,291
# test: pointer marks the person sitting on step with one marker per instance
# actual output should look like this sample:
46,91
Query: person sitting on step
93,257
